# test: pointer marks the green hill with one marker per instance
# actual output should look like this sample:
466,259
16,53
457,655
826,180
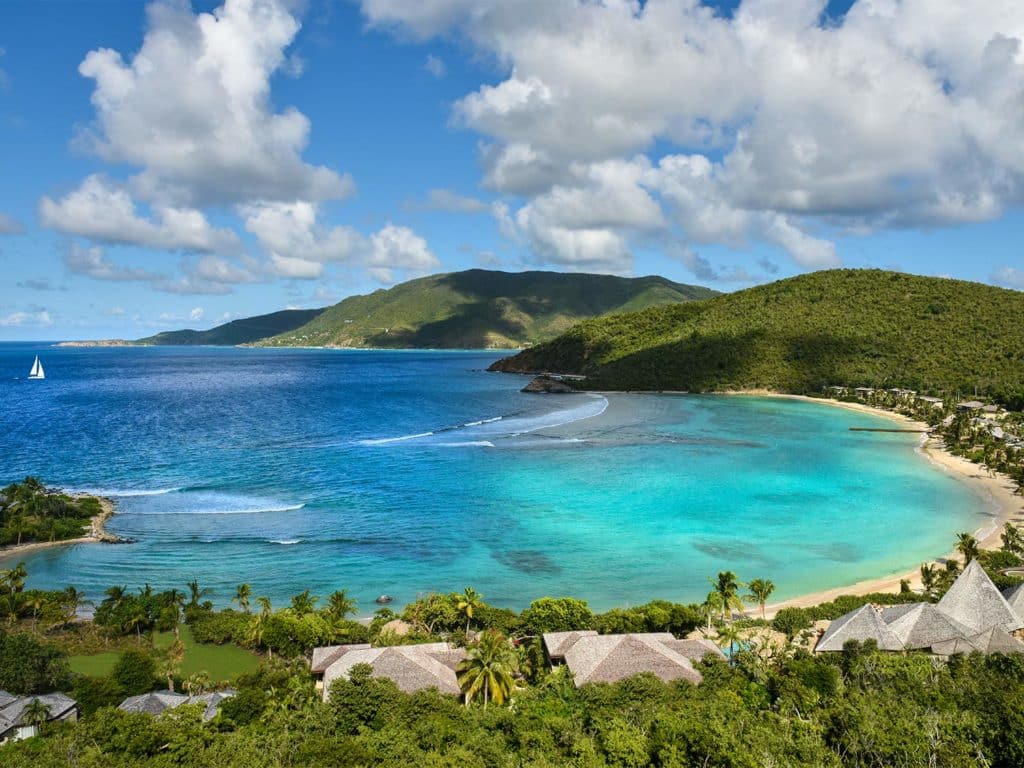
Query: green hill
480,308
847,327
244,331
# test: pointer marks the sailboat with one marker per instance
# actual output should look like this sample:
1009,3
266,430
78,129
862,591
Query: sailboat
37,370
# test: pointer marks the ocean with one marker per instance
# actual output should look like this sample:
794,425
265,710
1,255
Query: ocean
403,472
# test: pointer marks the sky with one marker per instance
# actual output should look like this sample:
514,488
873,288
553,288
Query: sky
177,164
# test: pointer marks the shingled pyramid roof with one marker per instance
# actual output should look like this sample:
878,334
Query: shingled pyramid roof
1015,597
921,625
992,640
865,623
411,667
974,601
609,658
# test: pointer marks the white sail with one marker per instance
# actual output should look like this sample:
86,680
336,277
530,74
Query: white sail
37,370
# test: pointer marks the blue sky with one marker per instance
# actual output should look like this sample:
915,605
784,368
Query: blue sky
176,165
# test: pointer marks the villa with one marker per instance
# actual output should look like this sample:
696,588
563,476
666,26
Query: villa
594,658
14,724
935,402
411,667
158,702
970,405
972,616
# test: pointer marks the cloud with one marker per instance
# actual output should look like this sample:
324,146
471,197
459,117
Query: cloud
297,245
103,212
38,284
703,269
9,225
92,262
450,202
192,109
395,248
435,66
766,125
1011,277
196,314
40,318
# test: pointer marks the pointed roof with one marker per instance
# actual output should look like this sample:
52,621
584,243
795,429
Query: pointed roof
921,625
325,656
610,658
57,704
865,623
154,702
557,643
411,667
973,600
992,640
1015,597
696,649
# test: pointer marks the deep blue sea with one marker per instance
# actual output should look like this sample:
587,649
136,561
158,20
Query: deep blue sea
405,472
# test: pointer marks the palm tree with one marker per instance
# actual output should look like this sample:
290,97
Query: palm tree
195,684
711,607
74,599
135,619
727,587
172,661
1013,541
242,594
967,546
116,595
304,602
197,593
340,605
731,634
469,601
489,668
14,579
35,602
36,714
760,591
258,624
929,578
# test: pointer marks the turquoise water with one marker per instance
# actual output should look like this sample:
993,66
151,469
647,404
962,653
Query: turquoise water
404,472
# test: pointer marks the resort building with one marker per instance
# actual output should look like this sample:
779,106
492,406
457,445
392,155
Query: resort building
325,656
594,658
411,667
934,402
158,702
972,616
15,713
970,405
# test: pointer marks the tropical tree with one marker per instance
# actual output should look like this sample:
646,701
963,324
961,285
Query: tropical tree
135,618
488,670
36,714
304,602
116,595
258,624
733,636
711,607
242,594
196,684
760,591
14,578
469,602
340,605
929,578
727,586
172,661
967,546
1013,540
197,593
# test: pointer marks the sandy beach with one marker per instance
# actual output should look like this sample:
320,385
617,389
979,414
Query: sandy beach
996,490
97,535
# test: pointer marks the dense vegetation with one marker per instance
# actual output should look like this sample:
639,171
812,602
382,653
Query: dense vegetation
840,327
243,331
480,308
29,513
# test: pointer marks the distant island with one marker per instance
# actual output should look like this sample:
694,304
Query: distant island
853,328
473,309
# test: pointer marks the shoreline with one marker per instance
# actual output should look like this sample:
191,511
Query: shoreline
997,491
98,533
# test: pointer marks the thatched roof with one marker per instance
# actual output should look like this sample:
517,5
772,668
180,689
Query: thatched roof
411,667
325,656
609,658
921,625
992,640
974,601
695,649
557,643
865,623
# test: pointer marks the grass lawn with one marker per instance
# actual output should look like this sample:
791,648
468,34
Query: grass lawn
220,662
97,665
